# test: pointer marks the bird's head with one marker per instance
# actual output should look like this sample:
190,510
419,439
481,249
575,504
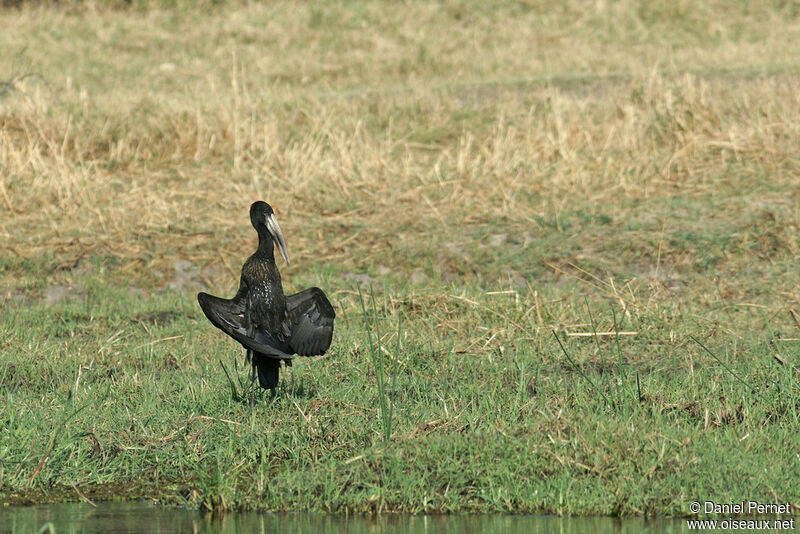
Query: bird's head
263,218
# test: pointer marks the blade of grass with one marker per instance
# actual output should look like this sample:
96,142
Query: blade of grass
54,438
377,361
234,391
727,368
584,375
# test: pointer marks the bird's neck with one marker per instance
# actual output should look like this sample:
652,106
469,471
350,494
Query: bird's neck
266,248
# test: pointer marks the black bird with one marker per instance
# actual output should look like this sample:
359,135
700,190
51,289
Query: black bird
270,326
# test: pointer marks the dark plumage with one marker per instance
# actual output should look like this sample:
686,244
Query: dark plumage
270,326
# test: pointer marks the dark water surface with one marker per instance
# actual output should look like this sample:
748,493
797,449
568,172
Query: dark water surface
118,518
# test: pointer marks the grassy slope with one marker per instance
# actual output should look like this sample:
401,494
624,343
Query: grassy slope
497,173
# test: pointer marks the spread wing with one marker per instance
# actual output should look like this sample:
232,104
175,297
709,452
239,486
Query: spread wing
310,317
229,316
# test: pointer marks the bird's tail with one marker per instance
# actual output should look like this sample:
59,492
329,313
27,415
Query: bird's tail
268,371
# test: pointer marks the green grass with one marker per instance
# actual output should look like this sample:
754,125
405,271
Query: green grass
580,224
128,390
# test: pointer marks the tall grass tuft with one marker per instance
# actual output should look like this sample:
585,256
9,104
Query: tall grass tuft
372,320
617,392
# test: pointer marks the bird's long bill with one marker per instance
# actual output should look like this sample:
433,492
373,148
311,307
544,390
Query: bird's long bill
277,236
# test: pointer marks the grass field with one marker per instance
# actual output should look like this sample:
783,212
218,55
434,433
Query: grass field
494,184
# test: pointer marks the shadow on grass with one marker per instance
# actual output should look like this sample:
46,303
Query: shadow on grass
242,389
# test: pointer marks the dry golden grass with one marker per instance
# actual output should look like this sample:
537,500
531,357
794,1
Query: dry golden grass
381,133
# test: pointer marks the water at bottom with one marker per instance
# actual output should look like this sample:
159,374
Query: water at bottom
137,517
